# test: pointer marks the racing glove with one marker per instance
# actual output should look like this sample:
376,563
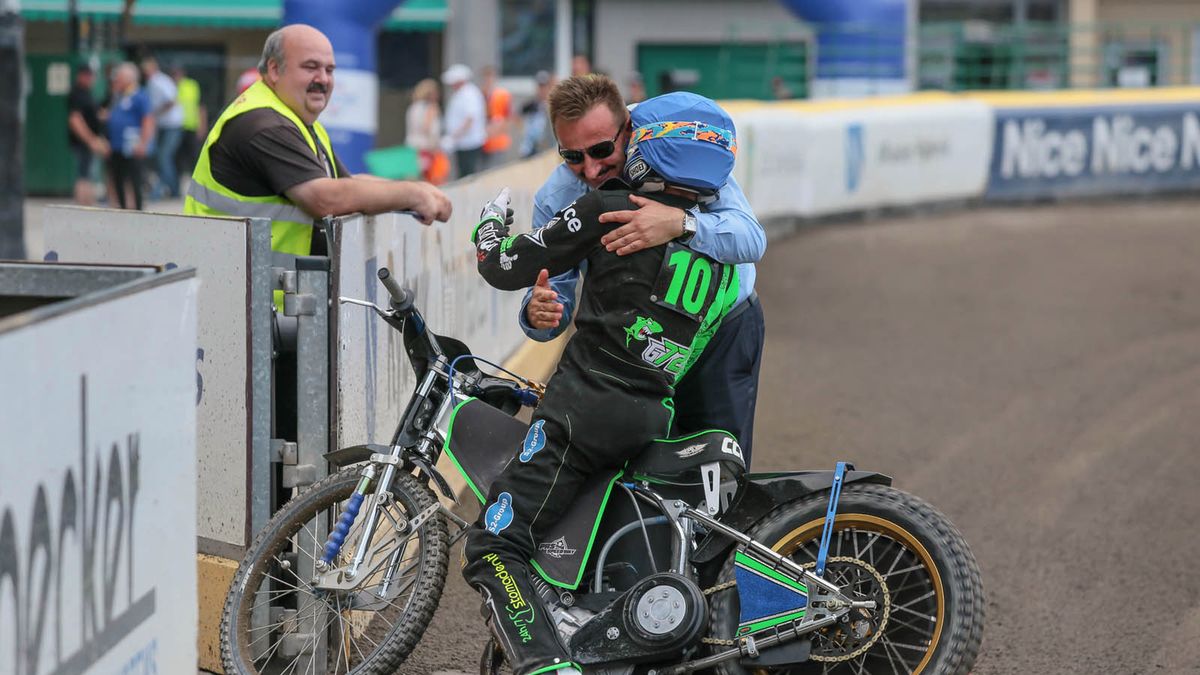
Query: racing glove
497,213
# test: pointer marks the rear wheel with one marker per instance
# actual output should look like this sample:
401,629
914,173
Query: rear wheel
890,547
277,620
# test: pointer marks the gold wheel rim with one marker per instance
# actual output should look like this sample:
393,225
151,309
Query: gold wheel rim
811,530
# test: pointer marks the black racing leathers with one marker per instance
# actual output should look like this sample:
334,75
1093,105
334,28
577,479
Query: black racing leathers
638,319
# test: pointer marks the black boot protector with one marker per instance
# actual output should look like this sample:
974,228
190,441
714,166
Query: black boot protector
519,620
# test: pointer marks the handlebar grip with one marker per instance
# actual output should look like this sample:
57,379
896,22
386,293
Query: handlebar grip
402,298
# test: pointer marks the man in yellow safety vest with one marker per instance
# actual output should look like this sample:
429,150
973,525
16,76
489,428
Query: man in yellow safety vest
267,155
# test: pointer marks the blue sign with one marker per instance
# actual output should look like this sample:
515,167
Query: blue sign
499,515
1094,151
855,156
535,440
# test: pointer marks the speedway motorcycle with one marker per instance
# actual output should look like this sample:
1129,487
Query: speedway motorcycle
679,562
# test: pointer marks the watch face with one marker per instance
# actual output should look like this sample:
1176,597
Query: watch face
689,223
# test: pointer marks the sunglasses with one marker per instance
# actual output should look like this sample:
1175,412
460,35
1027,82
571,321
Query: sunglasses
601,150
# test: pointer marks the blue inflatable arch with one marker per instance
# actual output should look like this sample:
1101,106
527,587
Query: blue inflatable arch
861,44
352,117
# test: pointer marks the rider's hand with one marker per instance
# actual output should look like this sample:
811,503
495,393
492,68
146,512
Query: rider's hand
544,310
652,224
498,209
429,203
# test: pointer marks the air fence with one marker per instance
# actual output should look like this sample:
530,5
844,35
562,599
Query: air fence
797,161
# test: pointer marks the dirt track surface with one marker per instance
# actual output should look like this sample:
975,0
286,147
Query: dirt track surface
1034,372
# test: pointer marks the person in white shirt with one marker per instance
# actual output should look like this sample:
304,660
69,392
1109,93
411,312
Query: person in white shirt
168,116
466,120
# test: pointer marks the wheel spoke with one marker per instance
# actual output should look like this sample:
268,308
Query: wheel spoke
915,648
918,566
893,619
884,654
353,624
891,651
865,548
270,627
914,601
919,615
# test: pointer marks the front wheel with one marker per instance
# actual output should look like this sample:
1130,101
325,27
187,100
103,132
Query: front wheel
278,620
891,547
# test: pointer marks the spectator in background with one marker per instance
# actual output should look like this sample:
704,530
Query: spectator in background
423,131
168,117
779,88
248,77
83,125
499,119
130,133
195,120
466,114
534,118
580,65
636,93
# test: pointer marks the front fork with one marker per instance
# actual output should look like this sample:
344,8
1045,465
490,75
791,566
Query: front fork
362,492
375,498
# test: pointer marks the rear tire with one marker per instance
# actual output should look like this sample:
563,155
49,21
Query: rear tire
273,617
933,585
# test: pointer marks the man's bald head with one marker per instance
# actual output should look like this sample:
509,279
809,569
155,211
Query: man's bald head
277,43
297,64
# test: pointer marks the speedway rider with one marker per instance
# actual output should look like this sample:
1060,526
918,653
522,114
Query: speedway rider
643,319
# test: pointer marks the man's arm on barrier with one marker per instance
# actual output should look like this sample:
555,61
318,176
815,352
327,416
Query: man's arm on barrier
320,197
726,229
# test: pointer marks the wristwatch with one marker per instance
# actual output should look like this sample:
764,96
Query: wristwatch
689,227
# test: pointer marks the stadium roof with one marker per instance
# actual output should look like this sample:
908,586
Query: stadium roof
411,15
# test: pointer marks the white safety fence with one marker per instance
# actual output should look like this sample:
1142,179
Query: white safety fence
807,160
231,398
802,165
374,378
98,500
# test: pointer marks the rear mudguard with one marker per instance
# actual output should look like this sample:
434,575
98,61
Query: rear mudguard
762,492
361,453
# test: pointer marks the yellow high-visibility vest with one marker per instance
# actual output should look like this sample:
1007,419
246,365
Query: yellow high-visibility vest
291,227
189,99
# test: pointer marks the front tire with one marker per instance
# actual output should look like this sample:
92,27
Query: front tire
931,584
276,622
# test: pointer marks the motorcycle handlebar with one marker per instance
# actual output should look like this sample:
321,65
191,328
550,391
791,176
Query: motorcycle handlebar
402,298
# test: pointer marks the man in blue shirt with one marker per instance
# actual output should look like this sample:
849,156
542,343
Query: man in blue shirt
591,123
131,132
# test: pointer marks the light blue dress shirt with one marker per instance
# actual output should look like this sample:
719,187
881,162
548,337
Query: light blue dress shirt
726,230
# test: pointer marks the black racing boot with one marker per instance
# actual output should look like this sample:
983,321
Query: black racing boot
516,616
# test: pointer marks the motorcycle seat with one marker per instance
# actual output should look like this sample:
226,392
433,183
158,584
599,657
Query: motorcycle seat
681,460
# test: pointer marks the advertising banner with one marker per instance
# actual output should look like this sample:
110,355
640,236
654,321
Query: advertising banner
806,164
98,501
1070,152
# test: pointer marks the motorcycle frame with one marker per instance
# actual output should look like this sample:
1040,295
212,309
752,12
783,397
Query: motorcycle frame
417,448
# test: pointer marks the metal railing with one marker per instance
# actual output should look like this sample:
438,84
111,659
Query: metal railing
954,56
978,55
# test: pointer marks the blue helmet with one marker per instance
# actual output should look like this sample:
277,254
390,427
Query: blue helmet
682,139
